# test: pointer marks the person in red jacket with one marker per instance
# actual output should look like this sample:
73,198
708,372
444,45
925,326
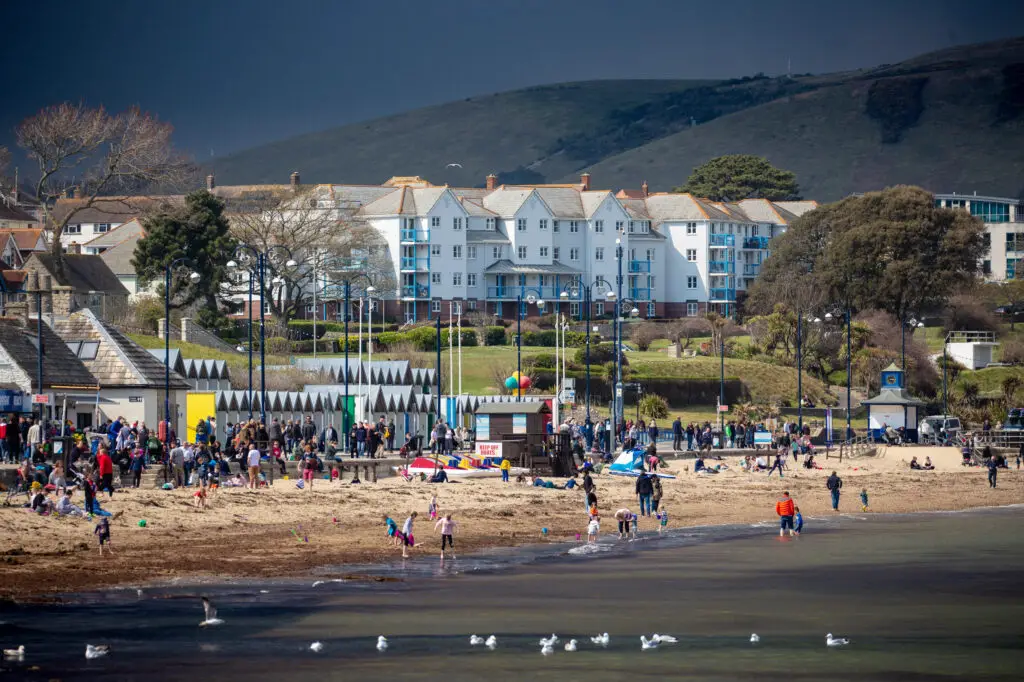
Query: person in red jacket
105,467
785,508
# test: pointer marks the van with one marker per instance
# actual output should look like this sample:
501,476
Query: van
930,427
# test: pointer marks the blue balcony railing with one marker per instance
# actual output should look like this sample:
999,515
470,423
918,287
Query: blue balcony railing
723,294
415,236
723,240
751,269
722,267
639,266
409,262
755,243
502,292
640,293
416,291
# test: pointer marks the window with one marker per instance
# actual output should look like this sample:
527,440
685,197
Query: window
645,226
554,226
598,226
599,309
574,253
544,223
496,252
691,255
102,227
691,282
652,311
521,224
691,229
574,310
650,254
309,309
555,252
470,252
754,230
574,226
650,281
72,229
85,350
521,252
457,251
266,308
471,279
990,211
541,281
543,252
691,310
435,221
619,225
435,278
435,250
489,223
456,307
599,253
456,279
472,305
435,306
410,223
456,223
986,267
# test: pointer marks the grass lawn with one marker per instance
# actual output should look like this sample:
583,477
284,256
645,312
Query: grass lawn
990,380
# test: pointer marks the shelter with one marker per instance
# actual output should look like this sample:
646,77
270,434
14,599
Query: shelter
893,406
516,430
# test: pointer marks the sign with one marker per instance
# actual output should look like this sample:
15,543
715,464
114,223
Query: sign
618,391
762,438
11,401
519,423
723,408
483,428
40,399
828,427
488,449
135,398
567,395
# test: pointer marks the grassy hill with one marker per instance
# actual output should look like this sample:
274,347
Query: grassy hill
951,121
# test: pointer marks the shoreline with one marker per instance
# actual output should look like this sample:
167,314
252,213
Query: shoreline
336,530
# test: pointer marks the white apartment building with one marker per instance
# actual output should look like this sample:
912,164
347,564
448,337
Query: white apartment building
1004,231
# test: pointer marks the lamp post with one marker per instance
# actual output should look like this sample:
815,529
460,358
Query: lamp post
588,303
914,324
369,344
849,370
347,318
193,277
528,298
617,397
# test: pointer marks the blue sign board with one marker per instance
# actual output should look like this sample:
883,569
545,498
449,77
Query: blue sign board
12,401
762,438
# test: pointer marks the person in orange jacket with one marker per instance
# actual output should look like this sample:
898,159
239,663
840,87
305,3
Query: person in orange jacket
785,508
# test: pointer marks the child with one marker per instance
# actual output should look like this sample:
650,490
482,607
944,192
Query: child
636,522
864,499
432,508
102,531
663,518
392,530
798,520
199,497
407,538
594,527
447,527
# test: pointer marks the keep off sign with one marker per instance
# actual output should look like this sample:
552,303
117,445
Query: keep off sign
40,399
723,408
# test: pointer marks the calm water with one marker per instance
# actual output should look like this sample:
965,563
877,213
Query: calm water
922,597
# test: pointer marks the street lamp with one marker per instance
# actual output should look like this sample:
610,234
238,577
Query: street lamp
348,317
193,278
233,264
369,344
800,367
849,371
913,324
528,298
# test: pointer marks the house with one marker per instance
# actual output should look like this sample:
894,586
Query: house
13,217
117,249
69,386
10,254
1004,231
29,240
131,380
85,282
88,221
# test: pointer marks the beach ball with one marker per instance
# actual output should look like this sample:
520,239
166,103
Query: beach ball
544,530
142,523
511,382
524,382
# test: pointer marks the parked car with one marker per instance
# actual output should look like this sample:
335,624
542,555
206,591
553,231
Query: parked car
930,427
1014,420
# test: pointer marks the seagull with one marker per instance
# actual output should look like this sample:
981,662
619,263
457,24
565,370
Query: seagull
754,639
211,614
96,651
600,640
549,641
830,641
138,593
475,641
663,639
454,165
547,649
382,643
570,645
18,653
492,642
316,646
647,643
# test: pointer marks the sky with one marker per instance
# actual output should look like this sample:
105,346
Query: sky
231,74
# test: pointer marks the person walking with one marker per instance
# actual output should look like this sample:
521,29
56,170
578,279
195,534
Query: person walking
656,496
834,485
644,491
677,434
253,461
993,470
177,462
786,509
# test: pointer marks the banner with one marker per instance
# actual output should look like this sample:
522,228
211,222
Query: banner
828,426
483,427
762,438
488,450
519,423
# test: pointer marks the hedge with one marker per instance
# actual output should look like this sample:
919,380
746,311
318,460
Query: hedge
304,328
547,338
494,336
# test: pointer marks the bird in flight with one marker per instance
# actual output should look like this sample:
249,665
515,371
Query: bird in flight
454,165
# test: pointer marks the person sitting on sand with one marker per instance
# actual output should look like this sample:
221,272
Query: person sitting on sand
698,464
66,508
913,463
439,477
40,503
928,466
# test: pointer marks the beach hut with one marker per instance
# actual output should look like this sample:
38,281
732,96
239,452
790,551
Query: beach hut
893,406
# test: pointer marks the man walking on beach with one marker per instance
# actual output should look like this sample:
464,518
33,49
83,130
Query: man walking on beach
253,460
644,490
834,483
677,435
785,508
993,470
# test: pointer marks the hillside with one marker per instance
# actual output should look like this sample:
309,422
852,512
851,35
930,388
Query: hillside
950,121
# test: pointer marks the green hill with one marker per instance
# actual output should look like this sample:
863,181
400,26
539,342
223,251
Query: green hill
950,121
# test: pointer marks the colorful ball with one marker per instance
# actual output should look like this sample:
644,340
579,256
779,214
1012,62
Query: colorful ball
515,375
511,382
524,382
142,523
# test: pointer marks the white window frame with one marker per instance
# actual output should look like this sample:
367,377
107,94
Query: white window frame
472,304
435,250
435,278
543,223
691,255
435,306
650,255
456,279
471,279
489,223
599,226
599,254
574,309
692,309
599,308
652,310
521,252
574,253
471,252
435,221
619,225
457,251
543,252
73,229
691,229
101,227
691,281
520,224
496,252
555,251
554,226
574,226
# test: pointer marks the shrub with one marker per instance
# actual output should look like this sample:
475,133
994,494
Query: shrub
494,336
654,407
969,313
645,333
1013,353
544,360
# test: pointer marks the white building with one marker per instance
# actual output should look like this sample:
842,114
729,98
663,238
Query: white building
1004,231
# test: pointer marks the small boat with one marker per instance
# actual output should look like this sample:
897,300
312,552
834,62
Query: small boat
457,467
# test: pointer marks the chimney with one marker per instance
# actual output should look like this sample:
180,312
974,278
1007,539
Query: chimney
492,181
295,181
585,181
210,183
643,188
76,192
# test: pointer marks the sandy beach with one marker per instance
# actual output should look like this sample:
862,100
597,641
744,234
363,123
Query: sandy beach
287,532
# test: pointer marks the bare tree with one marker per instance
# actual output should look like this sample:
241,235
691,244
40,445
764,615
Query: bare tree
98,154
5,162
686,329
326,244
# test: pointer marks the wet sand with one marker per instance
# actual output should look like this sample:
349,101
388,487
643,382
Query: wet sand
286,532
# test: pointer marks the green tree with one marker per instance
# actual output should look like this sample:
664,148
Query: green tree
892,250
197,230
741,176
654,407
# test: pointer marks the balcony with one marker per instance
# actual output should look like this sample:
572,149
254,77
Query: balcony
502,292
722,294
414,263
722,241
755,243
415,236
751,269
722,267
416,291
640,293
639,266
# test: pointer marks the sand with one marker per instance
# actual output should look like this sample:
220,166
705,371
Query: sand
285,531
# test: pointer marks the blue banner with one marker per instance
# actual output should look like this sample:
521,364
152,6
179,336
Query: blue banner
12,401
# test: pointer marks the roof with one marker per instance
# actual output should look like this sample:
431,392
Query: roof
127,230
564,202
82,273
475,209
524,407
797,208
192,368
119,257
113,210
26,237
893,396
486,237
61,367
506,202
9,212
13,279
119,360
507,267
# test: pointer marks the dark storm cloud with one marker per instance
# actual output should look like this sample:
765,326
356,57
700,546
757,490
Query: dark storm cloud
230,75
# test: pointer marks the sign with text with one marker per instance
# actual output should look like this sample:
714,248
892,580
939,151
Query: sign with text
489,449
11,401
762,438
40,399
483,427
519,423
723,408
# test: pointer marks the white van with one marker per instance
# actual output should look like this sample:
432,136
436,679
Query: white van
930,427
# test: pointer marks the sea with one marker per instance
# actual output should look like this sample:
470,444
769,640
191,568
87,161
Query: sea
930,596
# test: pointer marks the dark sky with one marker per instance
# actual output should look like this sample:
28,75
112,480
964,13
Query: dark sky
233,74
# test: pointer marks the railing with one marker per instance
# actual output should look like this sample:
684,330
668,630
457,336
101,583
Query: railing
721,267
755,243
723,294
971,337
639,266
502,292
752,269
415,235
640,293
416,291
409,262
721,240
